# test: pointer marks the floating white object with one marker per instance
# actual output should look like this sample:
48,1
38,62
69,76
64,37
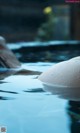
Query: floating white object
63,79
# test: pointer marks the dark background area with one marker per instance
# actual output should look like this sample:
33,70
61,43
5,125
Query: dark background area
20,19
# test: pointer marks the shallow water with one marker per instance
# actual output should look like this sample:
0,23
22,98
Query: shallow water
26,108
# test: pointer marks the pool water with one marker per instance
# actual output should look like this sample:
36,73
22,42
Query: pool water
26,108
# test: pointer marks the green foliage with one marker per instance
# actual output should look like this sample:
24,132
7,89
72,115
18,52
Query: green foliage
46,31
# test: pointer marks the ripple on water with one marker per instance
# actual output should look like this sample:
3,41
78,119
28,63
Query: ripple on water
6,98
37,90
9,92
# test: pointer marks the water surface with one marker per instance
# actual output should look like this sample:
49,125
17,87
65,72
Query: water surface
26,108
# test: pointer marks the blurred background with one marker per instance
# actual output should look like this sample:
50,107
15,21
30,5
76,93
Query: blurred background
26,20
41,30
40,33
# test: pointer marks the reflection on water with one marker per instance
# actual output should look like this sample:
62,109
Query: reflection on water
64,92
4,91
6,98
1,82
74,114
26,108
8,92
38,90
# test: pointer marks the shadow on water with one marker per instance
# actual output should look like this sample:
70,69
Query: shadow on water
73,111
38,90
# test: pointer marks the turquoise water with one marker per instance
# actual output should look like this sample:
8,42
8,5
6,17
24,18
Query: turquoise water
26,108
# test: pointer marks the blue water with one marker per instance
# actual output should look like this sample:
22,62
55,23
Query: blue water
26,108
